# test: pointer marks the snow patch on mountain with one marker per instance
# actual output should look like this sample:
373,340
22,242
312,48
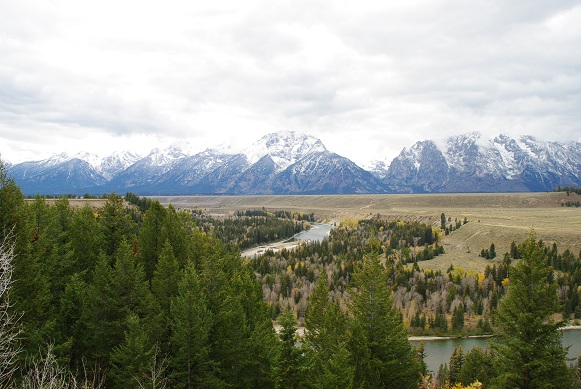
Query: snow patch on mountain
284,148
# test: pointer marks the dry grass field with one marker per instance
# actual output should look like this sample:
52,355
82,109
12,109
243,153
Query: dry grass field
493,218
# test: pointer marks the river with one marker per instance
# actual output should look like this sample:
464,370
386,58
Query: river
317,232
439,351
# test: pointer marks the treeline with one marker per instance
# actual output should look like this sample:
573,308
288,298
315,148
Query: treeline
309,217
69,196
254,227
569,189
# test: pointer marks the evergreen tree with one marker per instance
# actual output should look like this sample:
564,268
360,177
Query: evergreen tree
528,346
247,342
12,211
458,318
152,237
130,359
381,353
164,287
86,241
191,322
456,363
116,293
115,223
492,251
325,340
477,366
71,324
291,372
100,313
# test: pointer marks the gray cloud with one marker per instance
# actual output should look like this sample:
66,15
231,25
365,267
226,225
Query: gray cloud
368,78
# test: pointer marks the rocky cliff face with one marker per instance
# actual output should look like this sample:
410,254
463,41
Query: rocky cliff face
468,163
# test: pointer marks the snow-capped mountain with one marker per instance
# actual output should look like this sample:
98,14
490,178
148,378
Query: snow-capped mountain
284,148
290,162
469,163
115,163
325,172
58,174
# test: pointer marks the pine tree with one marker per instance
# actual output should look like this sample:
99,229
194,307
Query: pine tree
247,341
152,237
12,210
381,353
114,294
86,241
458,318
191,322
477,366
130,359
164,287
456,363
71,324
291,372
115,223
528,346
325,340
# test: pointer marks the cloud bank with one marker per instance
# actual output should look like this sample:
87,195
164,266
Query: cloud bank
367,77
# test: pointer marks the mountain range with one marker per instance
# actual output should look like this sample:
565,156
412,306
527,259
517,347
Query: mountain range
296,163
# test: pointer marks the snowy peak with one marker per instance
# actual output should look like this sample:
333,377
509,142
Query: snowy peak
116,163
292,162
284,148
169,155
471,163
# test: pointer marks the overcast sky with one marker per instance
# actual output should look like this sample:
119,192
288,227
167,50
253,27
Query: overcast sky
366,77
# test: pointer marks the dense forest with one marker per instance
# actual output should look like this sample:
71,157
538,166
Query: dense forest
133,294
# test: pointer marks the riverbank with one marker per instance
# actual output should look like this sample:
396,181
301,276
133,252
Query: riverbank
483,336
430,338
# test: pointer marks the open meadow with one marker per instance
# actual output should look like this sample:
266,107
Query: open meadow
498,218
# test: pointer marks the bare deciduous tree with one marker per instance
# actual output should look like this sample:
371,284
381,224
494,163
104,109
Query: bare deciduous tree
9,331
157,377
47,374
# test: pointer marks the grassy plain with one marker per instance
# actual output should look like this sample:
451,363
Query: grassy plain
498,218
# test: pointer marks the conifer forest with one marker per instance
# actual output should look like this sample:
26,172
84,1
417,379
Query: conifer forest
131,294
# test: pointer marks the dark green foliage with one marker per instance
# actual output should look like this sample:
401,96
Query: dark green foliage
290,372
569,189
143,203
528,346
11,209
381,353
477,366
456,364
326,340
191,325
130,360
152,236
489,253
252,228
458,318
115,223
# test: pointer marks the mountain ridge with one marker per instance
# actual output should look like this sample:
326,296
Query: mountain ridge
290,162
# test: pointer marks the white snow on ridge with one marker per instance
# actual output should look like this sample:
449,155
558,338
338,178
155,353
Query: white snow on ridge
284,148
